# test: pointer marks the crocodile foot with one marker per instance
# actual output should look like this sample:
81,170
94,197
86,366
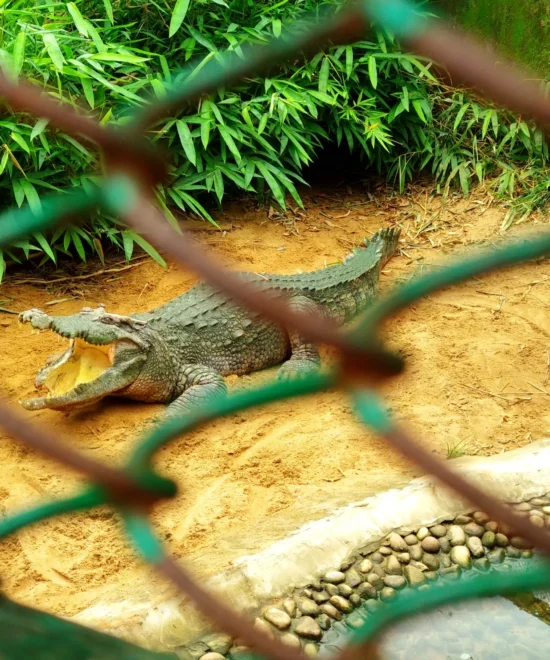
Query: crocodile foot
297,369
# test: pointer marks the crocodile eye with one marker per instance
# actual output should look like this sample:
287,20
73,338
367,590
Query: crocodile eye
108,320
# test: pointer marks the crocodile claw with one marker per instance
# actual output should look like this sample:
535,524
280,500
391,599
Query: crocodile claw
37,318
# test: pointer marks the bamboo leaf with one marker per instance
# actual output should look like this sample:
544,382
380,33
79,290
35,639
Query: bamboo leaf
187,141
52,47
178,16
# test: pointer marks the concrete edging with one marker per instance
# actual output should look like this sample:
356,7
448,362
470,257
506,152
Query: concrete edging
319,546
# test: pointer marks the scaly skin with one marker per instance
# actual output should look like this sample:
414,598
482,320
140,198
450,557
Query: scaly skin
180,352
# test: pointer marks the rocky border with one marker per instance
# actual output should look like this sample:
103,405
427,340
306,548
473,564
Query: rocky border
411,558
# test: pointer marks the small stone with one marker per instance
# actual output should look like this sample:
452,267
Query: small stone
496,556
372,605
353,578
537,521
422,533
341,604
481,517
316,585
198,649
546,510
344,590
365,566
483,564
488,540
393,567
388,593
527,554
537,513
355,600
307,593
334,577
395,581
182,654
308,628
419,565
445,561
452,572
445,545
475,546
320,597
521,544
473,529
331,611
385,551
439,531
263,627
411,539
379,569
375,580
512,552
457,535
431,562
376,557
430,544
348,563
307,606
332,589
212,656
424,587
501,540
355,620
324,621
491,526
460,555
291,640
290,606
366,590
280,619
539,502
416,552
431,576
403,557
523,506
239,652
218,642
463,520
414,576
397,542
310,650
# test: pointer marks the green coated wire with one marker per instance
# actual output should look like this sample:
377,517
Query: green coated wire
397,16
16,224
118,195
222,407
92,497
482,586
514,252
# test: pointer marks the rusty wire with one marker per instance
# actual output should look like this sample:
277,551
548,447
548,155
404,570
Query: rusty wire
126,153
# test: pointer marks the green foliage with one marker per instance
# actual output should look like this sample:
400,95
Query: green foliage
256,138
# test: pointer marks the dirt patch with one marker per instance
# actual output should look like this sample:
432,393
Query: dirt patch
476,381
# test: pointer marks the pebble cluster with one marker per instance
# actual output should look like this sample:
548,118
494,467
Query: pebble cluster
409,559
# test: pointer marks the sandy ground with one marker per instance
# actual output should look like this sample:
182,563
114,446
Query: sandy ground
477,380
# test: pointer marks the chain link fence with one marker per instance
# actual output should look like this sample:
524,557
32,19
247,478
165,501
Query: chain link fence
132,169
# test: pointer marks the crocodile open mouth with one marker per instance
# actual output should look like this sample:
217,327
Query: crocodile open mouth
84,364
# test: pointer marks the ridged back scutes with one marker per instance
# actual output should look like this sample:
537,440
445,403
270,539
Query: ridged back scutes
196,306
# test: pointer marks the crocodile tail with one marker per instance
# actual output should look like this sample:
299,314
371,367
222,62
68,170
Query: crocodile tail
385,241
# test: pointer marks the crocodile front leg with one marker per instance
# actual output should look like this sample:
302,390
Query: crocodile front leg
200,384
305,356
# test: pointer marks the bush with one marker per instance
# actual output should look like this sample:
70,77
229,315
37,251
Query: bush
254,138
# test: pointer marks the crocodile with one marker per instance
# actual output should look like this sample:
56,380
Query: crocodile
179,353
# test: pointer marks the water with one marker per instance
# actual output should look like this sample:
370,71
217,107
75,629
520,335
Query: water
486,629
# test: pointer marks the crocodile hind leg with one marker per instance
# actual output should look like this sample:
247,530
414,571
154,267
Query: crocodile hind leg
304,357
200,384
